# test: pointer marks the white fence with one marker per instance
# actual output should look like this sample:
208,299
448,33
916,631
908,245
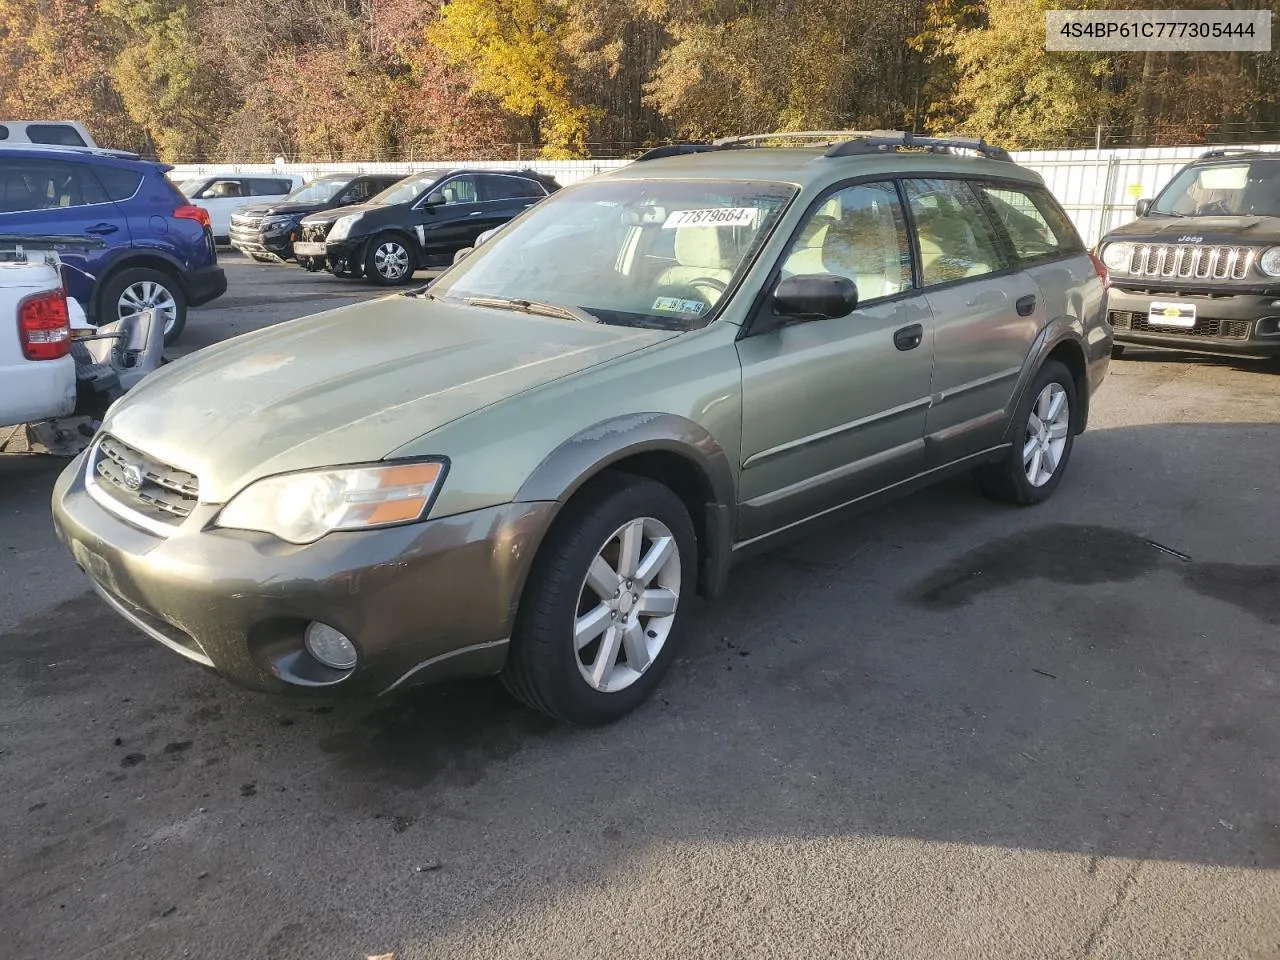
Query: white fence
1097,188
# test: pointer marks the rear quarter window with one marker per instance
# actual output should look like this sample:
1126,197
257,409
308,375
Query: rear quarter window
270,188
118,182
1035,224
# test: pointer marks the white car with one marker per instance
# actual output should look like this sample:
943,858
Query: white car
37,373
224,194
59,133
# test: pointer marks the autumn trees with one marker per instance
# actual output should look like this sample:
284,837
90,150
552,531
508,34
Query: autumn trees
428,79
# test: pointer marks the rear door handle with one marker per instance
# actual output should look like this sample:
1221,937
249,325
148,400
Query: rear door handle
1026,305
476,214
908,338
102,228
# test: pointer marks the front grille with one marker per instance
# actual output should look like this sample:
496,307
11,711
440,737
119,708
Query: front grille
1205,326
245,222
1191,261
142,484
315,232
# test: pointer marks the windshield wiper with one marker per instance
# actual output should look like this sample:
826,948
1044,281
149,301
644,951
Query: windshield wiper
537,307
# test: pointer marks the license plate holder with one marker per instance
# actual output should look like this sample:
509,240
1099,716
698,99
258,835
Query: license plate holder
1168,313
308,249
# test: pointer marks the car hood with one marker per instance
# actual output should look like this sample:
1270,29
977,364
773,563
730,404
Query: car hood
330,216
1250,230
349,386
280,207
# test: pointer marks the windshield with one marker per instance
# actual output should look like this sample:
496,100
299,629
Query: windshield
655,253
1248,188
405,190
317,191
190,188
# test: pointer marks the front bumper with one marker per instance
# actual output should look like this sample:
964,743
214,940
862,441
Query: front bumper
421,602
346,256
205,284
276,245
1245,324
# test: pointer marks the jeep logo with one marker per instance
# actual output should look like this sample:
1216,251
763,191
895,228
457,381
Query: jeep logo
1190,239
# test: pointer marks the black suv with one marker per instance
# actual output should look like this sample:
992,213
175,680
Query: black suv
266,231
1200,269
420,222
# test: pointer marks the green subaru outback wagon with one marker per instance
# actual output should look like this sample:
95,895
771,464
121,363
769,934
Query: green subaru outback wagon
531,466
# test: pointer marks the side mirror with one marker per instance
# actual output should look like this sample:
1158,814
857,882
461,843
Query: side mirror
815,296
434,199
463,254
1141,208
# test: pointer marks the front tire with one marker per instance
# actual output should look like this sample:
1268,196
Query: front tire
600,618
140,288
1044,435
388,260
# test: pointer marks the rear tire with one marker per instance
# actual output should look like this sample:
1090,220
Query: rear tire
1044,433
600,618
389,260
137,288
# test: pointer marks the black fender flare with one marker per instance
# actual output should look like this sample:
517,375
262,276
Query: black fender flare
1051,337
575,461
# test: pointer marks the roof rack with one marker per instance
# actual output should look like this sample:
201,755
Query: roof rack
69,148
674,150
829,136
883,141
1234,152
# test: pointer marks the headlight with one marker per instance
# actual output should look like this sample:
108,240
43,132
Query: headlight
277,223
1117,256
1269,262
303,507
343,226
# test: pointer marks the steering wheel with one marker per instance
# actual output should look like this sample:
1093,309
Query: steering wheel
1213,208
719,286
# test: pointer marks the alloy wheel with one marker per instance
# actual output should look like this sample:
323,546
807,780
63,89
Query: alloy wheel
1048,426
627,604
391,260
149,295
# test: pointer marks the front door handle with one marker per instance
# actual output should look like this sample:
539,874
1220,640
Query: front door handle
102,228
1026,305
908,338
476,214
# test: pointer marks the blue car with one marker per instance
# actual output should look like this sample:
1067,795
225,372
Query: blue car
157,250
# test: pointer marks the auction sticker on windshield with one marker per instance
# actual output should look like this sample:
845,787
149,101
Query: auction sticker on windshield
715,217
1165,314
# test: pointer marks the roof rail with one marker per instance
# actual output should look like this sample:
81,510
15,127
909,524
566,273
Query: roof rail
674,150
68,148
886,140
1234,152
830,136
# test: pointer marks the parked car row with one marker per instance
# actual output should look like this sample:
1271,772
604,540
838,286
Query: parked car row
382,229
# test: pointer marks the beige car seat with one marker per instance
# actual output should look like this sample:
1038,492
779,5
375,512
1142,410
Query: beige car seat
702,252
948,247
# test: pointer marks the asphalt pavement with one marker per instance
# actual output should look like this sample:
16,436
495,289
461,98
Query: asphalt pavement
946,729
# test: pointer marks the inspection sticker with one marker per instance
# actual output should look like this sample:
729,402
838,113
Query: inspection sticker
715,217
676,305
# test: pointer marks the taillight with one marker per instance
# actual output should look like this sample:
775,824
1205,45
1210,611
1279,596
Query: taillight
44,326
189,211
1101,269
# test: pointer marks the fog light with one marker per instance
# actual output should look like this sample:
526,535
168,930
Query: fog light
329,646
1268,326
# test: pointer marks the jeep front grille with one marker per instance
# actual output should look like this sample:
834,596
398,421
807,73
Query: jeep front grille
1191,261
137,486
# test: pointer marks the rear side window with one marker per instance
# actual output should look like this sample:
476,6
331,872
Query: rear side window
957,239
269,188
58,134
1035,224
28,185
118,182
494,187
4,132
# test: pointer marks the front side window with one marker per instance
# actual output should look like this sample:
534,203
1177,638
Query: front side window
659,253
860,233
957,240
1234,189
269,188
220,189
459,190
1034,223
359,191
